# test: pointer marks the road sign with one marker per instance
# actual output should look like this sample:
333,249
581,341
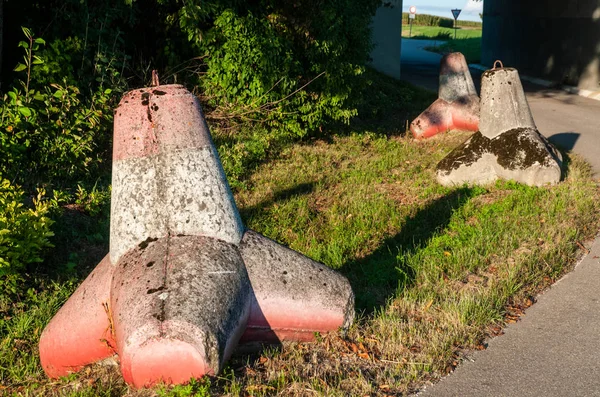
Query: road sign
456,13
412,11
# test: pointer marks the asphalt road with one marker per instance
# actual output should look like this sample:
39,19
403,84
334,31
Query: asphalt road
554,350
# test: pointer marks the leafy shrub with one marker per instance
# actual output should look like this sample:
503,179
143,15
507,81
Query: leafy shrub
291,67
52,135
50,132
24,232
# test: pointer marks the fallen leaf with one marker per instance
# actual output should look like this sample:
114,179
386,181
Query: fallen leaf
428,305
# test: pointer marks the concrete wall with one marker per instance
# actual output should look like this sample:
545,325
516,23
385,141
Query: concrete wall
553,39
387,38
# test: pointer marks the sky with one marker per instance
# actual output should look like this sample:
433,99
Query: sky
470,8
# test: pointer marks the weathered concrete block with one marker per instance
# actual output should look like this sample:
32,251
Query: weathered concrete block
508,145
80,333
455,78
174,296
182,189
294,296
521,155
457,106
503,103
180,305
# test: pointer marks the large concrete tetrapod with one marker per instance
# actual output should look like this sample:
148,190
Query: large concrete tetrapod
457,106
184,280
508,145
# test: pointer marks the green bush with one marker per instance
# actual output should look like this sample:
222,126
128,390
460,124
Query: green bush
291,67
24,232
49,132
51,136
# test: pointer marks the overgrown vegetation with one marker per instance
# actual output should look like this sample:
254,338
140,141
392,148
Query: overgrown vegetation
268,74
435,270
314,146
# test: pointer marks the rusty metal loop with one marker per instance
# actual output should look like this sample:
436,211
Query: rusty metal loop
498,62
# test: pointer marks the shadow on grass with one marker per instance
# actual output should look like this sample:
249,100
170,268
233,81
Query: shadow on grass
379,276
389,105
299,190
385,106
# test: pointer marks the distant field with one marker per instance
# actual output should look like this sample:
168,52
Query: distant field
434,32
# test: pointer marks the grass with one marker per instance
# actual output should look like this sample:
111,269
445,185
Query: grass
439,33
468,41
435,270
470,48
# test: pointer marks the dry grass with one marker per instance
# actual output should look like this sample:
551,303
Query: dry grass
435,270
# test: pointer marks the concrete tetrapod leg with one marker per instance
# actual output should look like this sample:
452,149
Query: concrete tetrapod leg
168,310
294,296
182,188
508,146
457,106
80,333
180,305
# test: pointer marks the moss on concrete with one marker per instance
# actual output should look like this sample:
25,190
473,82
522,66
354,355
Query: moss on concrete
517,149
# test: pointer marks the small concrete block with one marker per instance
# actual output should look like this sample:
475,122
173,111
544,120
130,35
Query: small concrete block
457,106
180,305
522,155
80,333
294,296
504,106
455,78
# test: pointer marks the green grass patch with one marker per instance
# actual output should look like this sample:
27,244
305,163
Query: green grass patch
439,33
435,270
468,40
470,47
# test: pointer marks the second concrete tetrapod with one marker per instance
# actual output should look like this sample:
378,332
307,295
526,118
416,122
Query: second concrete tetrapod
508,145
457,106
